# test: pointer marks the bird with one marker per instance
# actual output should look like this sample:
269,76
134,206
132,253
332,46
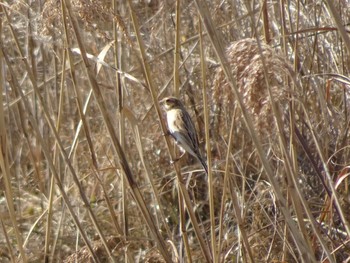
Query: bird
182,129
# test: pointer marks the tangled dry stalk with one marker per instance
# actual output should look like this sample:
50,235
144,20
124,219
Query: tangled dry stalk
85,166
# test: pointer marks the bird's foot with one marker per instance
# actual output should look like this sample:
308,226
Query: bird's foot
167,133
177,159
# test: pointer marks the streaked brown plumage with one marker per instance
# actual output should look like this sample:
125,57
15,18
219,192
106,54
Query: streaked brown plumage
182,128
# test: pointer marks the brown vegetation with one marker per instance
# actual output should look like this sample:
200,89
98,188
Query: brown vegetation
85,171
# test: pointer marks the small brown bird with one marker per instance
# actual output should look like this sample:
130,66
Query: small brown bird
182,128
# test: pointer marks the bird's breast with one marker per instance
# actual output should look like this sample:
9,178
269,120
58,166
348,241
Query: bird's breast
171,119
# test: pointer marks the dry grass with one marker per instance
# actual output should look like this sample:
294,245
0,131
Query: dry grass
85,168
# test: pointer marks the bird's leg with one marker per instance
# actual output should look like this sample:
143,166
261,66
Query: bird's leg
167,133
178,158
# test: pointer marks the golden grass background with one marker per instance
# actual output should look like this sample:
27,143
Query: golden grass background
85,166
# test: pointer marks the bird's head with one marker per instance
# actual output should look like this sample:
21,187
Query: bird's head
170,103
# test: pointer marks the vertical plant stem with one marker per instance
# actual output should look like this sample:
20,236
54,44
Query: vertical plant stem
183,230
177,48
4,164
225,186
181,185
121,121
207,140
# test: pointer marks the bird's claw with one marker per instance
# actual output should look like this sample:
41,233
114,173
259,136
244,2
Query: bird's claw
167,133
174,161
177,159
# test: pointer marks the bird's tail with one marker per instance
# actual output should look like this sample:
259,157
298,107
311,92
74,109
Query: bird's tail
203,163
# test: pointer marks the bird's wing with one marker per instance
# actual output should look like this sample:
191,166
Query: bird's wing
190,128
